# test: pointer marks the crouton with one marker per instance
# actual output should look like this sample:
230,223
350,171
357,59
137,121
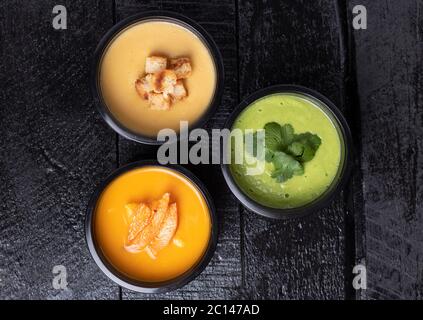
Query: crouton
164,82
163,85
140,89
155,64
182,67
158,101
144,86
179,91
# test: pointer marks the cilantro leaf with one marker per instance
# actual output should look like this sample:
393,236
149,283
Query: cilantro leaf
313,139
285,149
310,142
296,149
269,155
273,136
278,137
286,166
287,134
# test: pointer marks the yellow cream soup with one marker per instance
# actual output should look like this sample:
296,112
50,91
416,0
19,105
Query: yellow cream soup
124,62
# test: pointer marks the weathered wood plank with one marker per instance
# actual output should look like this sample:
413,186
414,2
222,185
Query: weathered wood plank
389,58
222,278
54,148
295,42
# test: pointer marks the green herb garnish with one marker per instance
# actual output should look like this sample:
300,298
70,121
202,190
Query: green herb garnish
285,166
286,150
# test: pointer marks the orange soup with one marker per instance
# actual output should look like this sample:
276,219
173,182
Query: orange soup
124,62
148,186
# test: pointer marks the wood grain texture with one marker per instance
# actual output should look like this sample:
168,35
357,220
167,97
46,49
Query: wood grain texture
54,148
389,57
222,278
294,42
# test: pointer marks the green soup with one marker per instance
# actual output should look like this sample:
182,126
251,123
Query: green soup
305,116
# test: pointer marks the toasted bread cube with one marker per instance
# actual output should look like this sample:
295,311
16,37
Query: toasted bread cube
155,64
164,82
182,67
144,86
139,87
159,101
179,91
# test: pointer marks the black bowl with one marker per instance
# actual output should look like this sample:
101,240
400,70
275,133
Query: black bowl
171,17
124,280
346,154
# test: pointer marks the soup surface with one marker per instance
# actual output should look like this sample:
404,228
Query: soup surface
304,116
124,62
145,185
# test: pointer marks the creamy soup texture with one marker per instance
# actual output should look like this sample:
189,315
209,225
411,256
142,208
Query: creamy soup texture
147,184
304,116
124,62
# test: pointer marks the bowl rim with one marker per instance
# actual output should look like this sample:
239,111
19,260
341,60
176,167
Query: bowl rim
343,173
142,286
172,17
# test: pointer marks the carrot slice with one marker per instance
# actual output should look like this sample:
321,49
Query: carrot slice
167,230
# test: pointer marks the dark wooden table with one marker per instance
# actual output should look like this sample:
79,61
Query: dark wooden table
55,148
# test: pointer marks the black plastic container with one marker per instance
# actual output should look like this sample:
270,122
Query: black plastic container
121,26
346,153
122,279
